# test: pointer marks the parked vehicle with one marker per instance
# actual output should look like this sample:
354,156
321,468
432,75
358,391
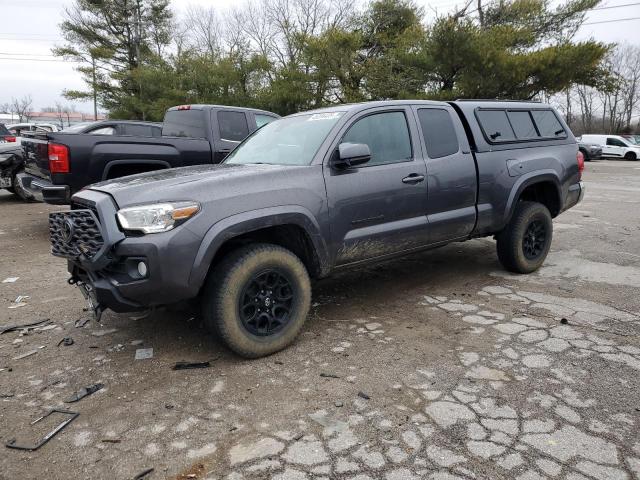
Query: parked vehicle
118,127
614,146
18,129
5,135
11,163
314,193
60,164
590,151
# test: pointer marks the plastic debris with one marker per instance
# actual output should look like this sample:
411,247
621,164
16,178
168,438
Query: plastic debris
11,328
143,474
84,392
137,342
17,305
329,375
66,341
81,322
116,348
10,280
101,333
72,416
25,355
363,395
189,365
144,353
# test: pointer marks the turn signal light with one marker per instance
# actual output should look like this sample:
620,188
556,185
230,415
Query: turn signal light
58,158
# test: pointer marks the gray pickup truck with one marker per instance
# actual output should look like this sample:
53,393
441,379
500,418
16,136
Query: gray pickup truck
316,192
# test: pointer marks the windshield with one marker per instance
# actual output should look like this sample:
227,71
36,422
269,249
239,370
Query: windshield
288,141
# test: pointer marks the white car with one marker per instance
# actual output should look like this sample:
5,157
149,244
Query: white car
614,146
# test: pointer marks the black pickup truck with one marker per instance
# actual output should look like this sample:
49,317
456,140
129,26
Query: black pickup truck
316,192
59,164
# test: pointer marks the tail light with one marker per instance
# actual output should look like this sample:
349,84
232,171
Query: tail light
58,158
10,139
580,160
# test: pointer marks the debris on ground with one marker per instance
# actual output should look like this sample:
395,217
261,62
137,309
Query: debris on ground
143,474
141,316
102,333
46,327
564,321
25,355
144,353
72,416
10,280
329,375
18,302
116,348
339,404
363,395
84,392
189,365
135,343
298,436
66,341
110,440
81,322
11,328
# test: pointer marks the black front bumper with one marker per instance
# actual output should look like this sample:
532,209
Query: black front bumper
111,270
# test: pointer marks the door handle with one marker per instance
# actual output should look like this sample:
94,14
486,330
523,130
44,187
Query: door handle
413,179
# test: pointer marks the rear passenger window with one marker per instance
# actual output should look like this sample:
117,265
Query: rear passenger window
138,130
263,119
233,126
496,125
438,131
548,124
386,134
522,124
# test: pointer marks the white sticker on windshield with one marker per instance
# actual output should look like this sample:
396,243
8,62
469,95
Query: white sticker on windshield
324,116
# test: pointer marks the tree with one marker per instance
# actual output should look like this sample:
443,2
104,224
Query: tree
112,39
22,107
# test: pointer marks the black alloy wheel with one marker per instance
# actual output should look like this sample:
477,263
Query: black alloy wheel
534,240
265,303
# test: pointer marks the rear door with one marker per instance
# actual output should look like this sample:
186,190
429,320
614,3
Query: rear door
451,174
379,207
233,127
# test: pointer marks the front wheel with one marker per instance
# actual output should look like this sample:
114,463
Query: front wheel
525,242
257,299
630,156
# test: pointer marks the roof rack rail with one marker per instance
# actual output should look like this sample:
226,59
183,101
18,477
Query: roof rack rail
494,100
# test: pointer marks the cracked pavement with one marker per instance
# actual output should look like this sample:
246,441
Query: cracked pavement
439,365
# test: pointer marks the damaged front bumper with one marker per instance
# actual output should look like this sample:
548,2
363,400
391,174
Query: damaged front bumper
105,263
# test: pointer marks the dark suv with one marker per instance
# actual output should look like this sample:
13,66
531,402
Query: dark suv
314,193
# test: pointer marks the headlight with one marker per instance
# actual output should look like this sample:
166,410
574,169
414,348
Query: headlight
157,217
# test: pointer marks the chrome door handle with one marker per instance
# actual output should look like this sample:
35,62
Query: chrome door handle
413,179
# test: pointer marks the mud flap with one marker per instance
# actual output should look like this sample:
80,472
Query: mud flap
89,295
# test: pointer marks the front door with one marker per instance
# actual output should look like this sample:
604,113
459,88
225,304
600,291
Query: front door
379,208
613,148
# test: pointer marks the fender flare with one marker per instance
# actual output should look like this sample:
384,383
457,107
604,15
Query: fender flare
114,163
531,178
253,220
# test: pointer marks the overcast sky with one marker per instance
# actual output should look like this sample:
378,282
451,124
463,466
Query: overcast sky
30,29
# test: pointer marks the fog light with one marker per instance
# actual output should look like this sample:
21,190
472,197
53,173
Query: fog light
142,269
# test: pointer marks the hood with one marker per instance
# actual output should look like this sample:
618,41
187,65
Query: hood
201,183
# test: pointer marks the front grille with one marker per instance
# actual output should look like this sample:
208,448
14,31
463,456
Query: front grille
75,234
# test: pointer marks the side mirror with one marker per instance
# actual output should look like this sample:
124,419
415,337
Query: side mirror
351,155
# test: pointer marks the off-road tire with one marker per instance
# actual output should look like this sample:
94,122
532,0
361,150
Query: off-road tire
224,289
630,156
510,242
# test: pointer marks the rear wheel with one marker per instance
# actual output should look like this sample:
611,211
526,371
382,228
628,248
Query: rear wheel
257,299
630,156
525,242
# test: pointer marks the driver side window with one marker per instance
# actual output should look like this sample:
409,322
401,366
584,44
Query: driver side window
386,134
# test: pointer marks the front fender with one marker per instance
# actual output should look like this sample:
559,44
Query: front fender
253,220
531,178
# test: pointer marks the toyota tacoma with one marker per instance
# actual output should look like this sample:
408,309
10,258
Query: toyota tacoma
314,193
